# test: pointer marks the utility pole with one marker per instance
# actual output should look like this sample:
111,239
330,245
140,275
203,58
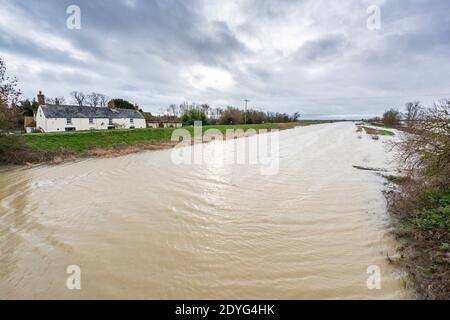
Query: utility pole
245,110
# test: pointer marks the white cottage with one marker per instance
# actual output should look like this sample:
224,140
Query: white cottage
57,118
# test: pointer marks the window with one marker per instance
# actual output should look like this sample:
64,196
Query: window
69,120
111,122
91,120
131,120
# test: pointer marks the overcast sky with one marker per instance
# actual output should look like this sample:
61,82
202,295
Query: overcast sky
313,56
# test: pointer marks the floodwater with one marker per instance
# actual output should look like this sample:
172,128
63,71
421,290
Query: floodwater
142,227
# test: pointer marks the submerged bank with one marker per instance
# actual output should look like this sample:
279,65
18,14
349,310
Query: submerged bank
59,147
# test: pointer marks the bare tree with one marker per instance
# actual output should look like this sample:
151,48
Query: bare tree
173,110
103,100
56,100
183,108
391,117
412,113
426,147
9,94
11,116
79,97
232,115
93,99
217,113
206,109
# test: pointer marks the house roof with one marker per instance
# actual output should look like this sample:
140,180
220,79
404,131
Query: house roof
66,111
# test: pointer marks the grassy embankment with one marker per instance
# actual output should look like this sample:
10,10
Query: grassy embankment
56,147
378,132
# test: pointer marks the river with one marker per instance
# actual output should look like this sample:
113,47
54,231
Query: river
142,227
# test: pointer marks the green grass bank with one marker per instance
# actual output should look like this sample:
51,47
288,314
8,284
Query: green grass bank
57,147
378,132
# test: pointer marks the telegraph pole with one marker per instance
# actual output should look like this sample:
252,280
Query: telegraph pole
245,110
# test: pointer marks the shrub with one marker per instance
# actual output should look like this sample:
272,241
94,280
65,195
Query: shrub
391,117
192,115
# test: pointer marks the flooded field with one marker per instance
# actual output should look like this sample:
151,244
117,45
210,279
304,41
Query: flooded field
140,226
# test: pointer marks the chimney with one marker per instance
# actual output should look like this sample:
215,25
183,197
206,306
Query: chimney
111,104
136,107
57,101
41,98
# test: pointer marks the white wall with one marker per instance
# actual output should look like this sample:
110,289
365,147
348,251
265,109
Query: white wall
165,124
40,120
82,124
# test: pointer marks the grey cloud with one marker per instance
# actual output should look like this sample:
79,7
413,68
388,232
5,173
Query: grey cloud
144,50
25,47
321,50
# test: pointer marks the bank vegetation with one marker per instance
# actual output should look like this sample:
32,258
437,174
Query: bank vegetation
420,202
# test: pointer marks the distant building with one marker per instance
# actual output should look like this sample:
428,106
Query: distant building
164,124
57,118
162,121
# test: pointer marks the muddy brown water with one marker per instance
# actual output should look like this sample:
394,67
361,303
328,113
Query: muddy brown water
140,226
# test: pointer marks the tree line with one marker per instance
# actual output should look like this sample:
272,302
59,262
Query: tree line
393,117
189,113
93,99
100,100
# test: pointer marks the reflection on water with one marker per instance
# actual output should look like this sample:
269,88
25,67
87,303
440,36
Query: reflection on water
142,227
